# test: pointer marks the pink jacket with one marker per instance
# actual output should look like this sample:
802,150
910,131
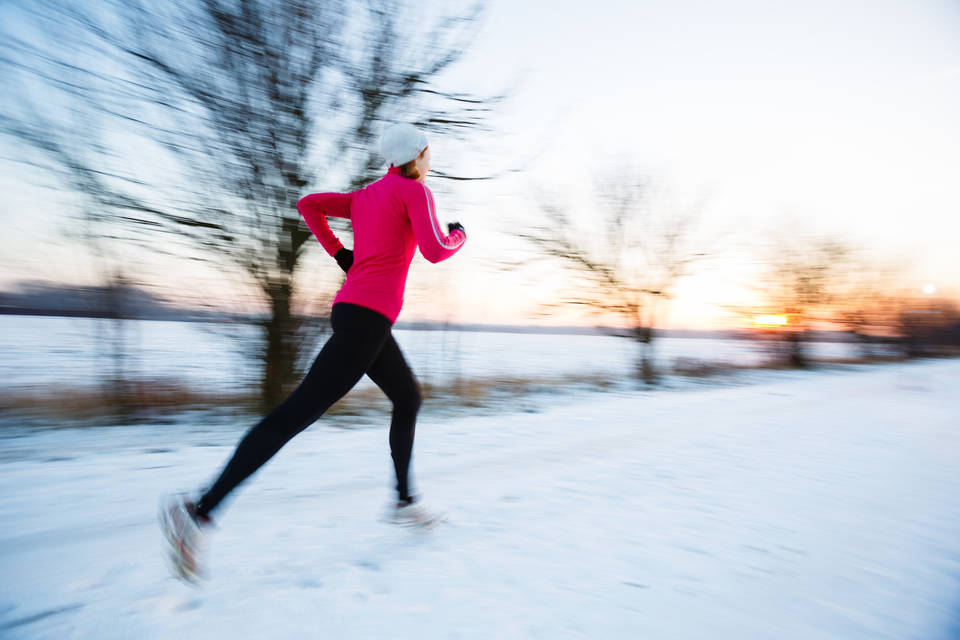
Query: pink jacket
391,218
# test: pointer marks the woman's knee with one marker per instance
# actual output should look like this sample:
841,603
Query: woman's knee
409,403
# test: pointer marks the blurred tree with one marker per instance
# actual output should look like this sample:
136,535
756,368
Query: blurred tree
200,123
629,259
803,281
864,303
927,326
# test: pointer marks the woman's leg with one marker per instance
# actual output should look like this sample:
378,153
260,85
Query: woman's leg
392,374
358,337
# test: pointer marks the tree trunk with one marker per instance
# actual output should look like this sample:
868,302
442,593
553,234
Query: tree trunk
646,367
281,349
796,355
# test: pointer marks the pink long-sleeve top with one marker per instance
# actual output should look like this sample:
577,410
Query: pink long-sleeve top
391,218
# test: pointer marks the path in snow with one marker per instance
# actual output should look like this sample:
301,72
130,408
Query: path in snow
826,505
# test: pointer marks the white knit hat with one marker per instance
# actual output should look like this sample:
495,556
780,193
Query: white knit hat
401,143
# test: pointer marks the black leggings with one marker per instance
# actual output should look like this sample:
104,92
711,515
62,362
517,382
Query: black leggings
362,343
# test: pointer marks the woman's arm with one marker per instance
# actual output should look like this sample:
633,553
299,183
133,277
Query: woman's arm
435,245
316,207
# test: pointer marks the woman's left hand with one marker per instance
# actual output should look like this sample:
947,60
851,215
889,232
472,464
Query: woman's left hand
344,258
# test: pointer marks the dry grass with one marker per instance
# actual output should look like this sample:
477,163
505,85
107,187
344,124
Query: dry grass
144,400
147,400
696,368
862,360
471,393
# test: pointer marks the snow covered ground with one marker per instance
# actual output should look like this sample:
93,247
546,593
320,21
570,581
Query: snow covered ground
76,351
818,505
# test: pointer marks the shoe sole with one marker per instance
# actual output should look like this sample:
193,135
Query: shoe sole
181,562
427,525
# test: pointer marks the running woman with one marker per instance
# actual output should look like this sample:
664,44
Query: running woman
391,218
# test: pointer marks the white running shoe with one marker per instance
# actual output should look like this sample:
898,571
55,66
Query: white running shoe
414,514
185,532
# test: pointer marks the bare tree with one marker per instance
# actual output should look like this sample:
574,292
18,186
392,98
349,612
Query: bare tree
927,326
628,260
803,281
193,127
864,302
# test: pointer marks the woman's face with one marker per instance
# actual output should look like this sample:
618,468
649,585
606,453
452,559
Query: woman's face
423,163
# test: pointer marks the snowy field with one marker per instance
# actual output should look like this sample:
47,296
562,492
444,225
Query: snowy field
818,505
41,350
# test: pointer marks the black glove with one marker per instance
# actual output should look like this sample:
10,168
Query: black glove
456,225
344,258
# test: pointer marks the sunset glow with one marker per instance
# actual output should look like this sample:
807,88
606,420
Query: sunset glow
770,321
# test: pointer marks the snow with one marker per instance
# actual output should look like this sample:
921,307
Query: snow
816,505
44,350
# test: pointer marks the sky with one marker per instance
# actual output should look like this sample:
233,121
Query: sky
835,118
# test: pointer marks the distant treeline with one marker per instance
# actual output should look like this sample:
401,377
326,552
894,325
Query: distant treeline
134,303
121,301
